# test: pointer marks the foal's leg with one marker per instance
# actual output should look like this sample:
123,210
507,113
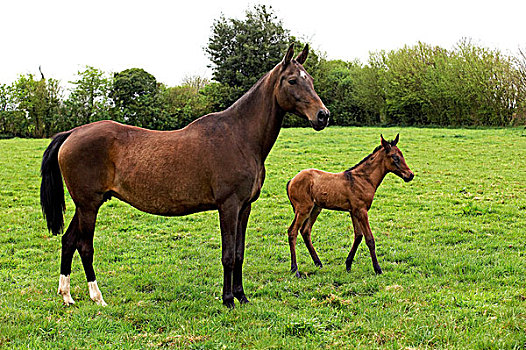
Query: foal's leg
238,290
87,219
299,219
306,234
69,245
357,240
228,220
369,239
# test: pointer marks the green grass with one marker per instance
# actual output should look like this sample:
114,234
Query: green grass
451,244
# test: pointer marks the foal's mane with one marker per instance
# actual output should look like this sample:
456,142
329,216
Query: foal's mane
348,172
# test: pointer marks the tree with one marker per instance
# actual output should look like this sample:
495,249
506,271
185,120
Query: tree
242,51
39,101
8,113
89,101
137,99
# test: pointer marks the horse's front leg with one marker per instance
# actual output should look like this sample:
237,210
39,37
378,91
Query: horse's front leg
363,220
228,220
238,291
306,231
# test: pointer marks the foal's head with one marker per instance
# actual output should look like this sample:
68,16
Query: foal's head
394,160
294,90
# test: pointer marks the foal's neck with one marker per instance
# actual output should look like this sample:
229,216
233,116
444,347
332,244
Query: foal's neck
371,170
258,117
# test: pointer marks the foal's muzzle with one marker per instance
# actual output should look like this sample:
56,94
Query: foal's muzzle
409,178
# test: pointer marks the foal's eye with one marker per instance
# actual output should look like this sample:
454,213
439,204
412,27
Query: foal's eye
292,81
396,158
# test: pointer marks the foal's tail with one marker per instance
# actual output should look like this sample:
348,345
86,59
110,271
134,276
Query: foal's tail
288,195
51,187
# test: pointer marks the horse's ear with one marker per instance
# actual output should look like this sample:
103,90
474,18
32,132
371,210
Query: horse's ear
395,141
386,145
302,57
288,55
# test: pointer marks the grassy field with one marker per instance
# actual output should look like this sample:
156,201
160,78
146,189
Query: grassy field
451,244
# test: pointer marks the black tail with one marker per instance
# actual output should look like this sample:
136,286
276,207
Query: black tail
51,188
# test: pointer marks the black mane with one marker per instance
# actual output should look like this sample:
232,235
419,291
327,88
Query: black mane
348,172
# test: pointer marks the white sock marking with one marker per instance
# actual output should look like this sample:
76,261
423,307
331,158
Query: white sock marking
64,290
95,294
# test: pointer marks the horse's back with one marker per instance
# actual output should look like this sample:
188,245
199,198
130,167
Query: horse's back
160,172
325,189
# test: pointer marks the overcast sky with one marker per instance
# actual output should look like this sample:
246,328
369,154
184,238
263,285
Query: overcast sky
166,38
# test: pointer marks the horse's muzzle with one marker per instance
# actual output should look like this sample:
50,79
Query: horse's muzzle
322,119
409,178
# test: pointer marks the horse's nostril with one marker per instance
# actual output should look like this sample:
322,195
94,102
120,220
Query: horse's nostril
322,116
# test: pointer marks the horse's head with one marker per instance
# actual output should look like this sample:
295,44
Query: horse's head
294,90
394,160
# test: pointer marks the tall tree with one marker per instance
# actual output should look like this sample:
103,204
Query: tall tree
89,101
241,51
135,93
39,101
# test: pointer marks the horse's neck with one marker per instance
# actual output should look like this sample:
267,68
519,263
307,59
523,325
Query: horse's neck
372,171
257,117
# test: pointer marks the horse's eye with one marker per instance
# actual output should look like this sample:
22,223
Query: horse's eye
396,158
292,81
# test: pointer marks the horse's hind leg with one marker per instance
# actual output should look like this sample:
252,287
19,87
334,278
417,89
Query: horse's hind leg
306,234
69,245
358,236
87,219
299,218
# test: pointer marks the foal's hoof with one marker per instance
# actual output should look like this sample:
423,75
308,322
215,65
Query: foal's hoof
348,268
378,271
318,263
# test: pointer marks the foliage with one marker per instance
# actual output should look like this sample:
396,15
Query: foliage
426,85
137,99
418,85
37,103
241,51
349,90
89,101
451,244
184,104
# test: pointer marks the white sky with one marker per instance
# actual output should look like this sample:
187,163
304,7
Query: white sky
166,38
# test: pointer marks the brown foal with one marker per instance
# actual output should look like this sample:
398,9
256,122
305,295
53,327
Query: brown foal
352,190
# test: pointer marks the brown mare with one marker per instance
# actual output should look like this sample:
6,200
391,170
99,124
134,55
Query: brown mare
214,163
352,190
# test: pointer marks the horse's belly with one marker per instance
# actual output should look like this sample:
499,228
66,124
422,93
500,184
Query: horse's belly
167,205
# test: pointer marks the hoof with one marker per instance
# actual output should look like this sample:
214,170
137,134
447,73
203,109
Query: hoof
242,298
318,264
348,268
95,294
378,271
68,300
297,274
229,304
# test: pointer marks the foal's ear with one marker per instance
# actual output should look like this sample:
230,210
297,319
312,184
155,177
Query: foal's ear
395,141
386,145
288,56
302,57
